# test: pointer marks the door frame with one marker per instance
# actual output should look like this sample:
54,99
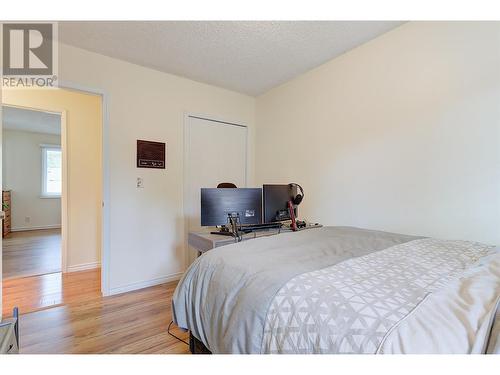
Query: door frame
187,133
105,213
65,173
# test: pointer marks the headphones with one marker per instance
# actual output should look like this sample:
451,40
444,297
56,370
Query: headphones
300,196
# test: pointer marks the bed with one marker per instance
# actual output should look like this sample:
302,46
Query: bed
342,290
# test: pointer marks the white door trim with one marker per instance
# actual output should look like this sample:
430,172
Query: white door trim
187,133
105,226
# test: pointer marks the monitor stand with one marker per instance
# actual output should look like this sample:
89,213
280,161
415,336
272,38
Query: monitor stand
233,230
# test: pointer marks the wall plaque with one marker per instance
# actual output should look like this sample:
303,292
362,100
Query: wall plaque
150,154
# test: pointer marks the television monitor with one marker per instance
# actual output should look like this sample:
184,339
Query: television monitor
216,204
275,198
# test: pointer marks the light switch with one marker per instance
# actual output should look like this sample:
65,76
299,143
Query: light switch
140,183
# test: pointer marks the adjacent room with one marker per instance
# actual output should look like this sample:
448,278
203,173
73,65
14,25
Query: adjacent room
253,187
32,183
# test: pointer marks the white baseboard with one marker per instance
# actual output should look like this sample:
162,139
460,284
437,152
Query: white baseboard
84,266
21,229
145,284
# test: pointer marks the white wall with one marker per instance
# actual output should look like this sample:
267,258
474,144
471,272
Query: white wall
399,134
147,225
22,173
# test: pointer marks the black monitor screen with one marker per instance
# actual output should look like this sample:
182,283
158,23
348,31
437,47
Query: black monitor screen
276,199
217,204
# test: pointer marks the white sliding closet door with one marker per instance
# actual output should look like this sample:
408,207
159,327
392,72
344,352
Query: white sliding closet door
216,152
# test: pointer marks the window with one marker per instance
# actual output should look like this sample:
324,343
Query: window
51,171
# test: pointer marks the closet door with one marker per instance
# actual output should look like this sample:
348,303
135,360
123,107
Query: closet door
216,152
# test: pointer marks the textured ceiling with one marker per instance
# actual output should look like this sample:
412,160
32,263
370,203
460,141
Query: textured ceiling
31,121
250,57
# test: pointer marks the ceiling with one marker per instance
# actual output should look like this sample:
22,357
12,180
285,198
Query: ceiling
250,57
31,120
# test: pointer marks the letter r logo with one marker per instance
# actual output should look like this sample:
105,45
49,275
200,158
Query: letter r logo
27,49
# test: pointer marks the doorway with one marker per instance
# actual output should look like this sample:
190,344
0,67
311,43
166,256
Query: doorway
81,199
215,152
31,192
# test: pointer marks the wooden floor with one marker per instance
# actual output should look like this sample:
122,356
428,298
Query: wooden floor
29,253
85,322
40,292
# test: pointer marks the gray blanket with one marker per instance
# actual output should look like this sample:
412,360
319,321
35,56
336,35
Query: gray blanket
225,294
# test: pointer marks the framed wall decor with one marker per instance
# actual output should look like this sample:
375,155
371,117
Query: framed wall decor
151,154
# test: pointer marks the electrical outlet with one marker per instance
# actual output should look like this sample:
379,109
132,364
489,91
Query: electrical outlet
140,183
27,219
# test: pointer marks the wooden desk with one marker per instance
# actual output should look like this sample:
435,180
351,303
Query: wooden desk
205,241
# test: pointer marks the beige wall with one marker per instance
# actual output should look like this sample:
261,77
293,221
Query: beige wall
400,134
22,174
83,124
147,225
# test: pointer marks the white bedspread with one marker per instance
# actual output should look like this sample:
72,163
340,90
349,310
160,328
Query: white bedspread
423,296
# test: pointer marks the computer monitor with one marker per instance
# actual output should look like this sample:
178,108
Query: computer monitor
275,198
217,204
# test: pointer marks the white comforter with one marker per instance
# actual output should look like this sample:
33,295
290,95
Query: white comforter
423,296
